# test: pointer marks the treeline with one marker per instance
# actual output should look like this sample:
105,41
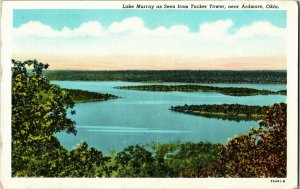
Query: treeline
232,91
282,92
36,152
184,76
236,112
87,96
166,160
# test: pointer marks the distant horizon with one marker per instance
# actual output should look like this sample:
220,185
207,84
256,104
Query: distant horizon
167,70
126,62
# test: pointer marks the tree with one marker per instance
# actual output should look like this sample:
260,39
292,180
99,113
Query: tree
135,161
38,111
86,162
260,153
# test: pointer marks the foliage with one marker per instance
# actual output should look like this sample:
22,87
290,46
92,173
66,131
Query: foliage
38,112
184,76
282,92
260,153
235,112
187,159
232,91
35,118
87,96
38,157
167,160
86,162
135,161
29,113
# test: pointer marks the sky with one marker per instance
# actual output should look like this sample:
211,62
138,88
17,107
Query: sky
151,39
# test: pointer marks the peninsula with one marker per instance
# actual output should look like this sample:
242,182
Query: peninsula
236,112
80,96
232,91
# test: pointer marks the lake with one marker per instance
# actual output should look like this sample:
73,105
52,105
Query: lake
143,117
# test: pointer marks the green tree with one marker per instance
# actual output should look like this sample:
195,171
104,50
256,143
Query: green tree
135,161
38,111
260,153
86,162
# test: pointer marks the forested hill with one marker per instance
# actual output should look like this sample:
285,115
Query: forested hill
186,76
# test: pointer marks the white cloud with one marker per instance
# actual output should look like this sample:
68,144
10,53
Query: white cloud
265,29
92,29
215,29
37,29
34,28
135,25
179,30
131,36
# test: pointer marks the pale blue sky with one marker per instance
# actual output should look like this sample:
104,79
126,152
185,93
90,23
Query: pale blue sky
57,19
151,39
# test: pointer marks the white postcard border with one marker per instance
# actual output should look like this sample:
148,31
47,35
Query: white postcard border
6,55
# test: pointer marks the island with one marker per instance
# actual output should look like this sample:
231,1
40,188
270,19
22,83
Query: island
236,112
80,96
232,91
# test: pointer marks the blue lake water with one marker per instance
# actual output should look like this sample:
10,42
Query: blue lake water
143,117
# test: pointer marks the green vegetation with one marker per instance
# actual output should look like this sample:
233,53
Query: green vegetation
87,96
167,160
283,92
260,153
184,76
36,152
235,112
188,159
232,91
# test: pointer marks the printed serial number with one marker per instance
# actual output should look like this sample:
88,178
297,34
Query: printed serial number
277,181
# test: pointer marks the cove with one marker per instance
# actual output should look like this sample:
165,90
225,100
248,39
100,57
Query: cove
143,117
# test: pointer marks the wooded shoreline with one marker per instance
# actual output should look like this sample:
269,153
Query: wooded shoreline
232,91
235,112
80,96
182,76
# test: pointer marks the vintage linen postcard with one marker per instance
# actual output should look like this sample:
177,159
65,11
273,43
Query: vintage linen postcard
149,94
